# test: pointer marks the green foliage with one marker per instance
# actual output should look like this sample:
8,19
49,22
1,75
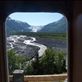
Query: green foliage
51,35
29,69
50,63
53,62
16,61
11,61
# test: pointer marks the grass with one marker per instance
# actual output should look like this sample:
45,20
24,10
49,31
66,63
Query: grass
50,35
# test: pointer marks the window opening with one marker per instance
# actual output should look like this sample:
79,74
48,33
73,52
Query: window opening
37,42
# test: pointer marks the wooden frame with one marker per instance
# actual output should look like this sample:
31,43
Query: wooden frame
71,9
42,78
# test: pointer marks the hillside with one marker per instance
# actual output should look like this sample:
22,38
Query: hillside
57,27
13,26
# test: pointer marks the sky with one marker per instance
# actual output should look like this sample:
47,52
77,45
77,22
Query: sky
37,18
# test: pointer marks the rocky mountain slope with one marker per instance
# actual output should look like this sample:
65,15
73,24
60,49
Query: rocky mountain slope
13,26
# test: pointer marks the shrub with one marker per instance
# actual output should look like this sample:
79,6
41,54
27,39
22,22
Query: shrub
50,63
16,61
53,62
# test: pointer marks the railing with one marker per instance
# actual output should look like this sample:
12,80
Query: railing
43,78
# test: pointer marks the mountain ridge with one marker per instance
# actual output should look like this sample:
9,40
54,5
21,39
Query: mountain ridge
58,27
13,26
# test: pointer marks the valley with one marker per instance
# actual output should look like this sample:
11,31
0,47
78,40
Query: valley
30,45
37,49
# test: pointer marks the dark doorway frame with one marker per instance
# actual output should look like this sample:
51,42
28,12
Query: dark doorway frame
68,8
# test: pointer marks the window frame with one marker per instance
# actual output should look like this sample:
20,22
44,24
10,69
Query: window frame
30,6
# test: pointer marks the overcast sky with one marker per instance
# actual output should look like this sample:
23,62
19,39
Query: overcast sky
37,18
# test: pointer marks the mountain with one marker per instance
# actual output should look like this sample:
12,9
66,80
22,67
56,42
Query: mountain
36,28
13,26
57,27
